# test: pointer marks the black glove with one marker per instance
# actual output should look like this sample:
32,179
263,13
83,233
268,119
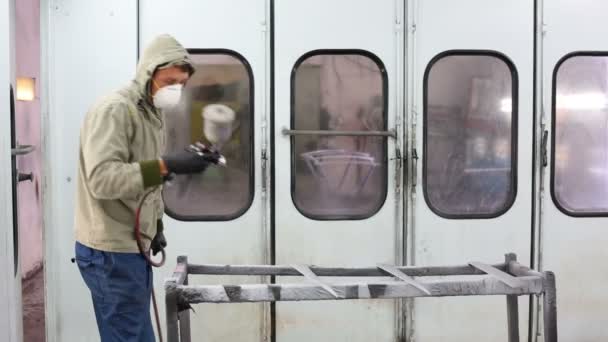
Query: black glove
193,160
159,242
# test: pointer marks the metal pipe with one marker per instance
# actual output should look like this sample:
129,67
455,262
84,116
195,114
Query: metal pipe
292,132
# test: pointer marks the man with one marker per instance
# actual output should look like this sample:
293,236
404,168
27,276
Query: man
121,143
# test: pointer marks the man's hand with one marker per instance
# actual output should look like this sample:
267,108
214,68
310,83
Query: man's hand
159,242
192,160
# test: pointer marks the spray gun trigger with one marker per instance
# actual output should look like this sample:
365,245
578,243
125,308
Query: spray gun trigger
201,146
194,149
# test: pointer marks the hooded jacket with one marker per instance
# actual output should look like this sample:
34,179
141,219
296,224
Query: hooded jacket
121,139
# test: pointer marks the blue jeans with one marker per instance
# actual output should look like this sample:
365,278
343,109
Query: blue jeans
121,286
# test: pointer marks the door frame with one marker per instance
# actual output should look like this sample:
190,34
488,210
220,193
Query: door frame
11,329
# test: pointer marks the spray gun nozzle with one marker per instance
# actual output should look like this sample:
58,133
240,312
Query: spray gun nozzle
201,150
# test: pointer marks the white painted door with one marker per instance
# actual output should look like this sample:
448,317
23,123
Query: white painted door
92,49
221,217
575,204
89,50
473,122
338,67
11,329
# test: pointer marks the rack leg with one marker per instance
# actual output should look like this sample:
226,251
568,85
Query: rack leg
550,308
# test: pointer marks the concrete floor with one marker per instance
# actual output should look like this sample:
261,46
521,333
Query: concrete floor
33,307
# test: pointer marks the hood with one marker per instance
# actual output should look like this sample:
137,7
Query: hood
164,50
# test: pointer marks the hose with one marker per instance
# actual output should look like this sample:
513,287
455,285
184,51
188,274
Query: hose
146,255
138,238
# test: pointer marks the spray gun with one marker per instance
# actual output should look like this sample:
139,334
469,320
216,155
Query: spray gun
217,129
218,119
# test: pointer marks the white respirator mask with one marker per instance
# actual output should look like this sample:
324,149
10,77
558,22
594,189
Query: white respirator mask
168,97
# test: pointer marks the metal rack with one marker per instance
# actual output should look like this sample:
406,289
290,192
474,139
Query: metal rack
474,279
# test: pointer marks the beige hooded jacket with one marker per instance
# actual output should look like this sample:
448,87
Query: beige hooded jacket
121,140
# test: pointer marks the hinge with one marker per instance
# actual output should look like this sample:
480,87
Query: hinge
543,148
398,26
264,166
543,118
414,169
398,165
398,157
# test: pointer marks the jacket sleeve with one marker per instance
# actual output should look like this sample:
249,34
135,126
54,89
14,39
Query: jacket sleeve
105,149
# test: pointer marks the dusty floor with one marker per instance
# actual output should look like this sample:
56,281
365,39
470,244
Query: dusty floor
33,307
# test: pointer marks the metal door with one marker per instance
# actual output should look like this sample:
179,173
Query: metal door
338,75
10,280
105,59
89,49
574,201
472,114
220,217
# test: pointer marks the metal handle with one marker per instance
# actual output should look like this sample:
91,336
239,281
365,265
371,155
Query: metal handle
22,150
390,133
22,177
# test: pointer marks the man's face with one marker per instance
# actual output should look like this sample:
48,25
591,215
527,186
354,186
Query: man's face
168,76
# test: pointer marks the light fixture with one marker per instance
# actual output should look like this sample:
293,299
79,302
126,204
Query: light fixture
26,89
582,101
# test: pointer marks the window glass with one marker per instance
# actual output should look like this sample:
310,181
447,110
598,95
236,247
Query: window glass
220,192
580,153
469,159
339,177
